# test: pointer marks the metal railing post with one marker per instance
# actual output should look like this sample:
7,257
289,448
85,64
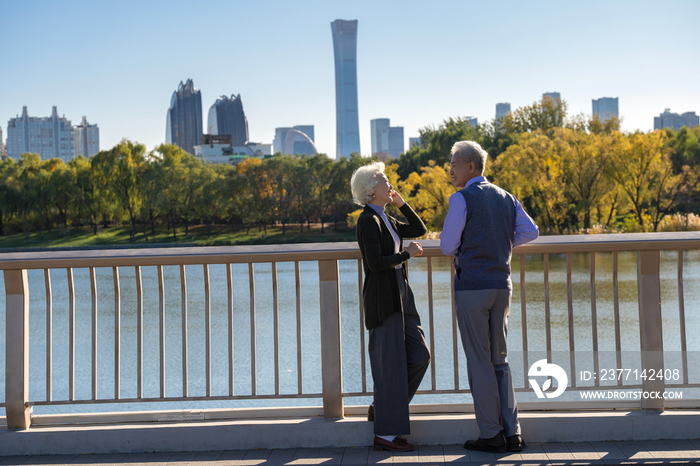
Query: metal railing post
19,415
651,335
331,365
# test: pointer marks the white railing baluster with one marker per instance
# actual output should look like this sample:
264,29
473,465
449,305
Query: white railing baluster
251,282
18,414
183,301
207,329
117,333
297,287
49,335
681,317
161,329
229,286
71,335
139,333
431,324
570,308
275,329
93,294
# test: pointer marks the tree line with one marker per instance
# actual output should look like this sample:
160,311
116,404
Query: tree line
571,173
128,185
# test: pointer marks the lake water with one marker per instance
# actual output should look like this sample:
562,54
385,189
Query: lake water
350,327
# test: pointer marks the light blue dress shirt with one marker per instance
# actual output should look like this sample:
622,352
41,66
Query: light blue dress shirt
380,211
451,236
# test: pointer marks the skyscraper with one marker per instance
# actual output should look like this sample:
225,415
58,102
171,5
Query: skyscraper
2,146
552,95
414,142
386,139
472,121
86,139
226,117
50,137
502,110
395,141
184,120
346,115
380,134
676,121
605,108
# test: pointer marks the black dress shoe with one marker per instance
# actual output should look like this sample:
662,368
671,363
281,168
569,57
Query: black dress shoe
495,444
515,443
370,413
399,444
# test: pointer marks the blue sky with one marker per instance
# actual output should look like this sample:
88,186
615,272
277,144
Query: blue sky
118,62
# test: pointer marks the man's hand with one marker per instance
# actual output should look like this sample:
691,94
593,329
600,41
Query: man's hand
414,249
397,199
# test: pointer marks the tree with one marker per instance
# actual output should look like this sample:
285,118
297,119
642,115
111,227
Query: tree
123,168
532,171
544,116
643,169
429,192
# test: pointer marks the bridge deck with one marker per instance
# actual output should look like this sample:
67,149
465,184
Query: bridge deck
540,454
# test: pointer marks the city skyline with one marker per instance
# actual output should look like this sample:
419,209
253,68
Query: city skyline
287,74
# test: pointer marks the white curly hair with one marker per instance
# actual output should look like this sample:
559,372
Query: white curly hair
363,182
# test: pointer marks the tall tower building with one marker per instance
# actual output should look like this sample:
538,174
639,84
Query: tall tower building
605,108
2,146
380,135
502,110
346,115
227,118
386,139
50,137
184,120
86,139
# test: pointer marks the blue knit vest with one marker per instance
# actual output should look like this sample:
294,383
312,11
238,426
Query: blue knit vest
483,261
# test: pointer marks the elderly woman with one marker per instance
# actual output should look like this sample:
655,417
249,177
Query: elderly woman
398,353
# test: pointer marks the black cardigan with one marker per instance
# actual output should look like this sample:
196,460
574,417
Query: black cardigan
380,292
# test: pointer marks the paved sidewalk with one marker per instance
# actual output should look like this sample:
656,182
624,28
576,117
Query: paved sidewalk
537,454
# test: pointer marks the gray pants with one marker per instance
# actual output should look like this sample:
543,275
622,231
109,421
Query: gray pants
399,357
483,323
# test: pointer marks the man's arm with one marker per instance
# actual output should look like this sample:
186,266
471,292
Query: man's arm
451,235
525,228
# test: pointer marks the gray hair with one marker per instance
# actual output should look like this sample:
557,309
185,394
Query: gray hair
363,182
471,151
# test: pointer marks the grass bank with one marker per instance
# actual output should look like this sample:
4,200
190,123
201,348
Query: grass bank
220,235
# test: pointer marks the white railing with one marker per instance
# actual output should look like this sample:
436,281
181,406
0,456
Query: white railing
19,407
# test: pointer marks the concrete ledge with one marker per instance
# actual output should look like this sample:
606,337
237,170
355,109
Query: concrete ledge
316,432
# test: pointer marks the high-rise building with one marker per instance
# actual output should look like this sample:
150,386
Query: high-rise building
50,137
184,120
2,146
552,95
296,140
396,147
346,114
226,117
605,108
86,139
676,121
502,110
386,138
472,121
380,134
414,142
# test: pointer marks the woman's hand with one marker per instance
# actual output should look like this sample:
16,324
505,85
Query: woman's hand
397,199
414,249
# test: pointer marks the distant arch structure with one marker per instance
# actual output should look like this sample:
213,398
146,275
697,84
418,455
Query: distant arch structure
291,137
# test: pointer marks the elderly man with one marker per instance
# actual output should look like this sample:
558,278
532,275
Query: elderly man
482,226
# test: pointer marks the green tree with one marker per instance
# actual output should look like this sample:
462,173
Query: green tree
123,168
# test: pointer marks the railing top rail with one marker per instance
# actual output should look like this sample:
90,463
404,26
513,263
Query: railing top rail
327,251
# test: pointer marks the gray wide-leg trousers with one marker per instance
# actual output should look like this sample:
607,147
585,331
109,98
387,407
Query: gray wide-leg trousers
483,323
399,357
